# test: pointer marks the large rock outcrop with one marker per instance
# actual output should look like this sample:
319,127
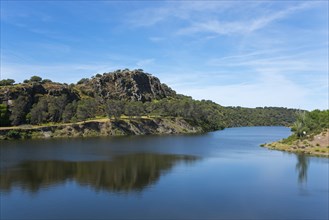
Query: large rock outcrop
127,85
132,85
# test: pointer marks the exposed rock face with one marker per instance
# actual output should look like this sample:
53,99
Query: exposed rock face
127,85
105,128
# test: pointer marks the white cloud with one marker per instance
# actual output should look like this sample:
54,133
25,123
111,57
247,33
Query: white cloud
221,27
164,11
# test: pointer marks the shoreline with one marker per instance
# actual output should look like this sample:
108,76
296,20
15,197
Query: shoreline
317,145
297,150
102,127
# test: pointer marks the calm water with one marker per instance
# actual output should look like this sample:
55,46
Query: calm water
218,175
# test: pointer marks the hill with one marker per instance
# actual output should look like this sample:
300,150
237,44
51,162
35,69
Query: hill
128,85
122,94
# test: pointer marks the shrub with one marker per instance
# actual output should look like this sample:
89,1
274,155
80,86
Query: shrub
13,134
35,79
7,82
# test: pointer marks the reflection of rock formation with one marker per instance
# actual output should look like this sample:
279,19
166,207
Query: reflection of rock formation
124,173
302,167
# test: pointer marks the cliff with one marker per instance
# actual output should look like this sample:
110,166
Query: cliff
127,85
120,94
132,85
102,127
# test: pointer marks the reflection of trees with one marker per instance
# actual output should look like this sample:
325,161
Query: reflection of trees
301,167
124,173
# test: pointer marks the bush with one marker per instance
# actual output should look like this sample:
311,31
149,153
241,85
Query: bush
13,134
7,82
35,79
46,81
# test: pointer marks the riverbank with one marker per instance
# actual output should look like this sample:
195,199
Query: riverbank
102,127
317,145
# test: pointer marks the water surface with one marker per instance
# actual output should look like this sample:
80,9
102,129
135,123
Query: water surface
218,175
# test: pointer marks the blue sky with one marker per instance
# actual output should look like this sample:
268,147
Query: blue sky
236,53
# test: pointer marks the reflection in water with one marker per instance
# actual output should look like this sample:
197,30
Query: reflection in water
124,173
302,167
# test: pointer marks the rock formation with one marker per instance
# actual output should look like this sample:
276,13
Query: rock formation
126,85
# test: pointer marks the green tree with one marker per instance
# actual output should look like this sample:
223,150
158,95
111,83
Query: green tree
69,111
56,106
300,125
7,82
19,110
86,109
130,109
46,81
4,115
39,112
36,79
114,108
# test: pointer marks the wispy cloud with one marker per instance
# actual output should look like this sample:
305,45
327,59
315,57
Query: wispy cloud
213,16
273,61
222,27
250,53
164,11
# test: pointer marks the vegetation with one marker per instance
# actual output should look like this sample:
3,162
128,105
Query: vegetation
308,124
122,94
267,116
7,82
35,79
310,134
4,115
19,110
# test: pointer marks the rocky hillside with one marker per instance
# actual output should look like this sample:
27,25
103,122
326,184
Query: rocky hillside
34,90
103,127
129,85
118,95
125,85
38,101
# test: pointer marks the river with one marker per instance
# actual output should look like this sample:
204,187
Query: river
217,175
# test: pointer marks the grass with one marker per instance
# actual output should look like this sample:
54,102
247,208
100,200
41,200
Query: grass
294,148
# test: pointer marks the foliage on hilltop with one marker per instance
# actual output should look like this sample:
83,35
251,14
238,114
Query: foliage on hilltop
122,93
267,116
